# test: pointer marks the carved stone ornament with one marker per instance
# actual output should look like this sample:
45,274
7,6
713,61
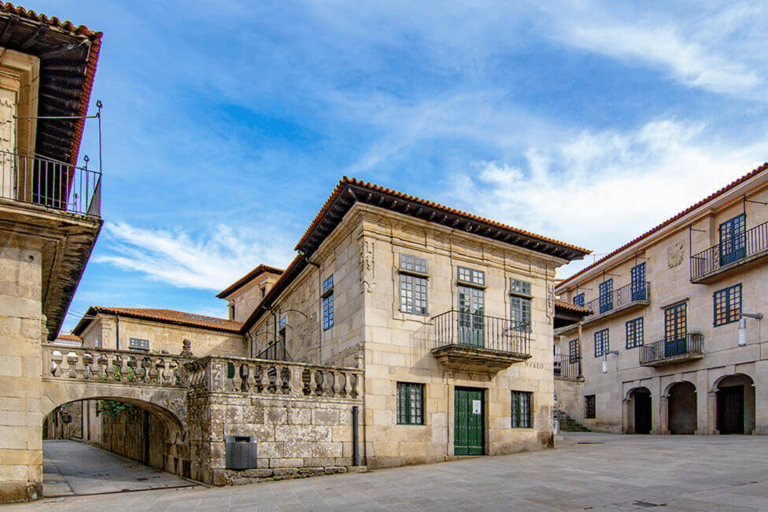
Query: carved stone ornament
6,121
550,301
186,350
675,254
367,268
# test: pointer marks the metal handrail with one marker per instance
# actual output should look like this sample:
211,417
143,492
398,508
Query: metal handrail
633,292
690,343
481,331
753,240
566,367
50,183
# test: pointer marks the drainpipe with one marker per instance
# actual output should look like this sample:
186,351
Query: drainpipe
117,332
355,437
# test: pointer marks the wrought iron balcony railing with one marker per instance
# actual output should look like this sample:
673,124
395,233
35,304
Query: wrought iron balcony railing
481,331
567,367
50,183
663,351
636,292
753,240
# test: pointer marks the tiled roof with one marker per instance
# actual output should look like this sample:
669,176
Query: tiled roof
69,337
247,278
667,222
573,307
346,183
163,315
64,56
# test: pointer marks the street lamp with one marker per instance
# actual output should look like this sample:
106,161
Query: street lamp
743,326
605,359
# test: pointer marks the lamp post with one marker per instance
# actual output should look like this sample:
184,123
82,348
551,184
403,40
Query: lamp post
743,326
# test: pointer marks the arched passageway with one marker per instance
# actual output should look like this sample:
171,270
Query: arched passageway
735,399
682,409
640,411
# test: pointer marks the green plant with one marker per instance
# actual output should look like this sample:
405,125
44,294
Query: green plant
113,408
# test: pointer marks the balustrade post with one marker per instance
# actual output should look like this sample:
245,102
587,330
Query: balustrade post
73,372
296,382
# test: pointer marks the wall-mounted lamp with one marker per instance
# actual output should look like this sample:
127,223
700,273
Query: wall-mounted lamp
605,359
743,326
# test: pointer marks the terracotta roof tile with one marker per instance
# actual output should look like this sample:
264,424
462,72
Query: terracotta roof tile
667,222
573,307
69,337
168,316
247,278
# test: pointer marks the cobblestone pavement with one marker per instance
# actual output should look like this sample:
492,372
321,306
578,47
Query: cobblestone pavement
595,472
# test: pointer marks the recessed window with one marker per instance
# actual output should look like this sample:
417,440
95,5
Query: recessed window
573,351
232,311
727,305
635,335
328,303
521,409
471,276
601,343
413,284
410,403
733,243
605,299
589,407
578,299
138,344
520,305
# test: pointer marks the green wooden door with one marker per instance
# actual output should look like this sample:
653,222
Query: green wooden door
468,427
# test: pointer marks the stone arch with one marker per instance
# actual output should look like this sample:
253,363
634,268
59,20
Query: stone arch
638,409
734,404
682,409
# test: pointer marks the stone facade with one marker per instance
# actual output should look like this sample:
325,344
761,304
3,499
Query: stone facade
680,367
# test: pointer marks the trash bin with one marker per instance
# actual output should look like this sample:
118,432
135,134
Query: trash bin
240,452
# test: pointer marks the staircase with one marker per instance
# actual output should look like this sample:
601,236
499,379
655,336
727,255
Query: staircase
568,424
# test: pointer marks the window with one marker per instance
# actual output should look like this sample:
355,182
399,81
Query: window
578,299
232,311
573,351
263,291
471,328
675,324
413,284
638,287
471,276
601,342
727,305
520,305
521,409
589,406
635,336
138,344
328,303
606,295
410,403
733,244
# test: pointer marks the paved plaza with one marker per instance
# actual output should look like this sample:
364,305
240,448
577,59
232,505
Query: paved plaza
592,472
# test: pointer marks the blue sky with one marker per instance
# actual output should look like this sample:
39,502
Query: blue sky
227,124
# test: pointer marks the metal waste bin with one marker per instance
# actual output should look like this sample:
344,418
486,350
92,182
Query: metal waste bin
240,452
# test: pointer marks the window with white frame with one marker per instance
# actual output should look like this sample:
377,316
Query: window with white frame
413,284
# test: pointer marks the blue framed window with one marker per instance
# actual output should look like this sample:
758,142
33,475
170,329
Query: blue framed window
727,305
606,295
675,330
638,287
601,343
733,243
328,303
573,351
578,299
635,335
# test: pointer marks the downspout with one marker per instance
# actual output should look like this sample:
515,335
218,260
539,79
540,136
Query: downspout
117,332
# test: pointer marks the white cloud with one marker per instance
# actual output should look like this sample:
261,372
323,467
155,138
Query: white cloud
719,52
211,262
600,190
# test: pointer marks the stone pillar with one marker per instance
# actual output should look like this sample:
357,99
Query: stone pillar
712,412
627,426
664,414
21,331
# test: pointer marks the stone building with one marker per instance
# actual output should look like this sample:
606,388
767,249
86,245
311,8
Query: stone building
450,316
673,343
49,218
244,295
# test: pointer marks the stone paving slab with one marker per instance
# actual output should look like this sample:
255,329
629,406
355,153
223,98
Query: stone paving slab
608,473
75,469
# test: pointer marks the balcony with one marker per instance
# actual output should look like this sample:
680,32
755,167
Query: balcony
49,183
567,368
625,299
660,353
479,343
714,263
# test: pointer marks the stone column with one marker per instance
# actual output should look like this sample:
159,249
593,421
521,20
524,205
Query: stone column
626,418
712,412
664,414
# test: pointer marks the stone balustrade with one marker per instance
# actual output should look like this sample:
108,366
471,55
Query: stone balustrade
114,366
265,377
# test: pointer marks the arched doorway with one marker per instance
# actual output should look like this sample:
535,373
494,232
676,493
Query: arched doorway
641,418
682,409
735,399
